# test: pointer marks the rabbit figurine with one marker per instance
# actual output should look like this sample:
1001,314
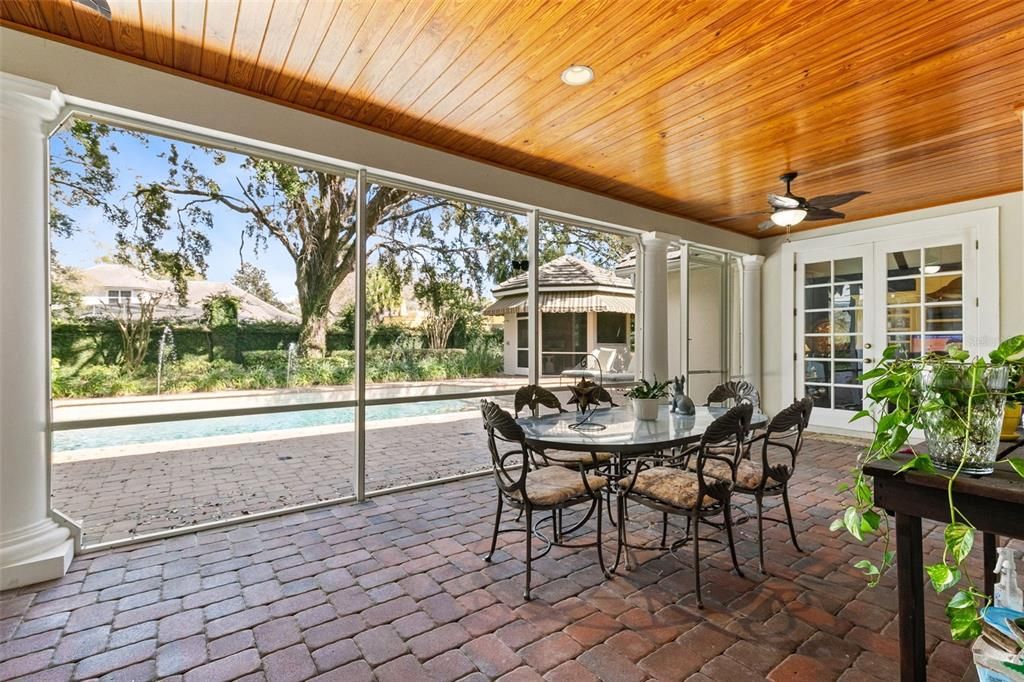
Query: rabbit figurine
681,403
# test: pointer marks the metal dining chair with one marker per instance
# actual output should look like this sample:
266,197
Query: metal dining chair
533,395
527,487
780,446
732,393
665,485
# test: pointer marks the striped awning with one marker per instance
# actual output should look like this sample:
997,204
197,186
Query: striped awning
566,302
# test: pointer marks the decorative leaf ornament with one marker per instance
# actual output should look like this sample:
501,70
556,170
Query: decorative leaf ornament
531,396
586,394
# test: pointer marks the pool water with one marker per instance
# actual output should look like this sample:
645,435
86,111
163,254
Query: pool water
114,436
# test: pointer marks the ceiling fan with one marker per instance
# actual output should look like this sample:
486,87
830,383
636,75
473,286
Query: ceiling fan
789,210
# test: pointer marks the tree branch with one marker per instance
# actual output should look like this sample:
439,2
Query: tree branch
239,206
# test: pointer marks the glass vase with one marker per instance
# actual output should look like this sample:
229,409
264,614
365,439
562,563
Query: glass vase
963,414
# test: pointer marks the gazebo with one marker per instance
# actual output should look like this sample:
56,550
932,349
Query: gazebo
582,307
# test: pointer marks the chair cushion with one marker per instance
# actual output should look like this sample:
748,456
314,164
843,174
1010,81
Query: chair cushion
554,484
748,474
669,485
567,458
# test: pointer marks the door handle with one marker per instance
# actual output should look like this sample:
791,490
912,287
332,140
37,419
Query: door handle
867,345
868,361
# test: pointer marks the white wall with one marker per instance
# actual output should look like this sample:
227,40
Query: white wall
1011,262
87,76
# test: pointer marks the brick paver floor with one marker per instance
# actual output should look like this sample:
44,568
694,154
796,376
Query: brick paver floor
118,497
396,589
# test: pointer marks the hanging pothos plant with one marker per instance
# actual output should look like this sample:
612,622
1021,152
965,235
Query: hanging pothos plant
904,401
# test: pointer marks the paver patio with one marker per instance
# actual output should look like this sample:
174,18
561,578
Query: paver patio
117,497
395,589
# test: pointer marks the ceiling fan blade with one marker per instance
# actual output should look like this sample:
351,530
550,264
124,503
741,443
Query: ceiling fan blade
765,225
833,200
780,201
824,214
738,216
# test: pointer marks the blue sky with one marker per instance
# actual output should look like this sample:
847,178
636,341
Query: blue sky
142,161
95,237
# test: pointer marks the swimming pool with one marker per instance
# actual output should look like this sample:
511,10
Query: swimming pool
114,436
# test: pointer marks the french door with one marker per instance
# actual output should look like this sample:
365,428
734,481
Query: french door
853,301
834,329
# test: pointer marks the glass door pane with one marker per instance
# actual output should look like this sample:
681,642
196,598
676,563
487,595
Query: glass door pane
924,294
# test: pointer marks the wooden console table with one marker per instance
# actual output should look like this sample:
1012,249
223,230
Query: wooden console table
993,503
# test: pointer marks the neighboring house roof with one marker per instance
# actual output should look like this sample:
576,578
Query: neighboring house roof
626,266
97,280
566,285
410,311
568,272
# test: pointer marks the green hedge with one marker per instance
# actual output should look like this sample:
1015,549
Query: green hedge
86,344
76,345
262,369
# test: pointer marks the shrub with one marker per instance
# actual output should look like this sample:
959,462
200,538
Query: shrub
265,358
98,380
483,358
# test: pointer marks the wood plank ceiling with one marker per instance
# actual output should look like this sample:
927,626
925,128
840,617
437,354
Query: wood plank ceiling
696,109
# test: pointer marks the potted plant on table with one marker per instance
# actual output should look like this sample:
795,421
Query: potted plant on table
646,398
957,401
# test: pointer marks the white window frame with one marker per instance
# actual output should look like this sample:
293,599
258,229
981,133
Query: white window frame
117,296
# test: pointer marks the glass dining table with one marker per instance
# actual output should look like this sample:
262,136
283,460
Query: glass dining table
617,431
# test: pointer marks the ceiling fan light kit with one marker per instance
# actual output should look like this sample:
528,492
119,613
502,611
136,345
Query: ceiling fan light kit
788,217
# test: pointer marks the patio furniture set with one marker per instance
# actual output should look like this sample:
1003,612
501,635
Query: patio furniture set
688,466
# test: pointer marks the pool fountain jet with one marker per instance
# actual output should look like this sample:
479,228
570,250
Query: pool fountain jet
165,352
292,352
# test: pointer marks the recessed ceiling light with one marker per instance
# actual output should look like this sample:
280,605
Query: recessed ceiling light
577,74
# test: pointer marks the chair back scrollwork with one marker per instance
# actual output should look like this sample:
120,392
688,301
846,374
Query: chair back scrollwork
733,393
723,441
784,432
501,427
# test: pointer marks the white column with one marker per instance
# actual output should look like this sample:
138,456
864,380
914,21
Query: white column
533,296
750,340
652,290
33,547
684,310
